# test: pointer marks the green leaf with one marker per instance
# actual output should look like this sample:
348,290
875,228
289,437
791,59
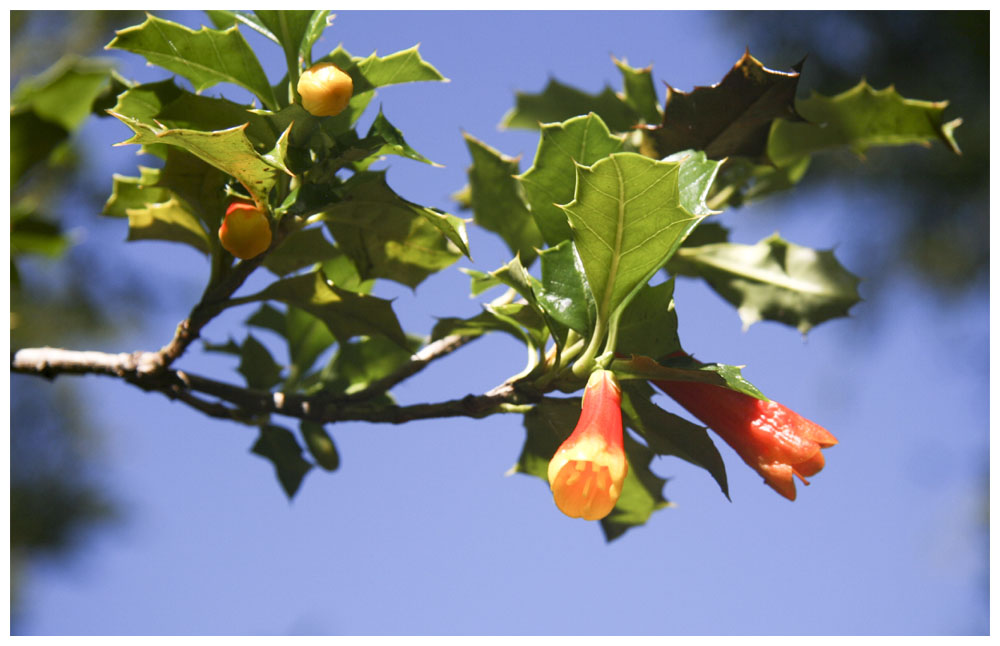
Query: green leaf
642,493
340,271
32,141
404,66
551,180
775,280
489,320
65,93
169,221
196,112
360,363
668,434
386,236
227,18
200,186
308,337
640,93
860,118
346,314
257,366
268,318
558,102
320,445
684,368
205,57
386,139
649,324
497,201
228,150
280,447
301,249
480,281
134,192
627,221
695,179
564,292
289,27
730,118
31,233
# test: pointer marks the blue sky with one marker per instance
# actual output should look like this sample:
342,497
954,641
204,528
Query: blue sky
419,532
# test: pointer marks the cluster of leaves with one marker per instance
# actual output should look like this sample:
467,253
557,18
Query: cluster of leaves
615,195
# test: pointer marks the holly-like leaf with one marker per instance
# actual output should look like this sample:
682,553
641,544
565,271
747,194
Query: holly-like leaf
640,93
224,19
558,102
257,365
386,236
775,280
200,186
668,434
684,368
308,337
404,66
205,57
347,314
564,292
497,201
480,281
32,141
228,150
860,118
627,221
65,93
134,192
268,318
280,447
649,324
290,27
320,445
170,221
551,180
386,139
301,249
730,118
363,361
642,493
695,179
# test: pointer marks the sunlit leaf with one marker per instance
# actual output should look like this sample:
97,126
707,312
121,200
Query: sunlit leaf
563,292
320,445
169,221
640,92
360,362
684,368
301,249
134,192
649,324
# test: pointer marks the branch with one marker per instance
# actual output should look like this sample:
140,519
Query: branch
251,404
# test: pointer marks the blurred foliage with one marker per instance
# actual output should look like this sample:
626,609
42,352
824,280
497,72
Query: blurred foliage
55,493
943,214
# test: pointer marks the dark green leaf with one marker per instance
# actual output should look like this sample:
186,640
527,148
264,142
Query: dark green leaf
564,293
200,186
340,270
642,493
31,233
730,118
301,249
775,280
649,324
668,434
558,102
224,19
684,368
257,366
280,447
640,93
205,57
308,338
547,425
32,141
860,118
268,318
320,445
386,236
551,180
361,362
497,201
389,141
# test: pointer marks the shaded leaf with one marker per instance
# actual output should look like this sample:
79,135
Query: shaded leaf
627,221
308,337
201,187
497,201
730,118
668,434
340,270
386,139
359,363
32,141
642,493
649,324
257,365
224,19
169,221
551,180
320,445
31,233
860,118
558,102
280,447
204,57
268,318
346,313
386,236
775,280
301,249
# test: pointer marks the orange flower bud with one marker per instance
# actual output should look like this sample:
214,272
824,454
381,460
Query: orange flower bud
776,441
245,231
325,90
587,472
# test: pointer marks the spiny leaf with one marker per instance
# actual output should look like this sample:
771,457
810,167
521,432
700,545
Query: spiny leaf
308,337
684,368
551,180
640,93
228,150
649,324
205,57
497,202
200,186
346,314
668,434
860,118
170,221
134,192
386,236
730,118
257,365
280,447
627,221
775,280
558,102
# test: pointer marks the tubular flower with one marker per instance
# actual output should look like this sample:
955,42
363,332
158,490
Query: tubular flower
776,441
587,471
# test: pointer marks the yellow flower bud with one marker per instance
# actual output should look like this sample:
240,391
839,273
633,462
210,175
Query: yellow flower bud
325,90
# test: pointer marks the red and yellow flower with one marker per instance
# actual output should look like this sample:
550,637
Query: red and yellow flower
776,441
587,471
